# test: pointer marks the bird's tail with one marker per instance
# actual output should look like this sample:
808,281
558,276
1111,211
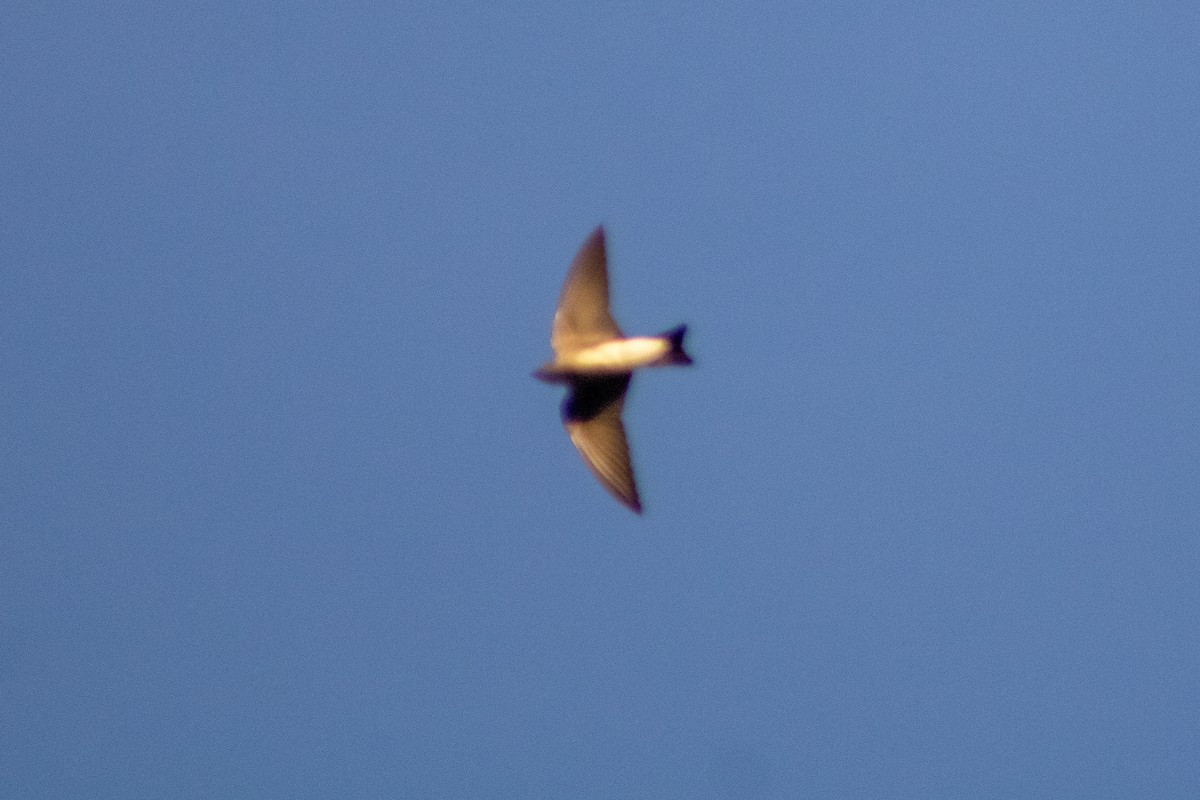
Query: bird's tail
676,355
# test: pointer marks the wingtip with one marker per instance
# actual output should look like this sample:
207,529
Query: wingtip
632,504
631,501
634,500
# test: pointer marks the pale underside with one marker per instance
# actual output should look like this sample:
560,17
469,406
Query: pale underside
618,355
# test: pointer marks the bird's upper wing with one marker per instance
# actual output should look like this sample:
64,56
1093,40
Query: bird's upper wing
583,317
592,416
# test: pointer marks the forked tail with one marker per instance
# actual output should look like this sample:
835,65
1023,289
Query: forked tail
676,355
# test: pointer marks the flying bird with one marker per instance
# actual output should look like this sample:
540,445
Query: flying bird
596,361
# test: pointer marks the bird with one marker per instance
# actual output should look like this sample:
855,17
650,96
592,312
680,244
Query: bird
595,361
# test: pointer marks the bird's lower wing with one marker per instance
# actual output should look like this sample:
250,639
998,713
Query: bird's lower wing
592,417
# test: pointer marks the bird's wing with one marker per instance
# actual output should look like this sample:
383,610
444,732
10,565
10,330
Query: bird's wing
592,417
583,318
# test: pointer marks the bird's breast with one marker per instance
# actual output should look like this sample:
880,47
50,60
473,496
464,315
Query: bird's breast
619,355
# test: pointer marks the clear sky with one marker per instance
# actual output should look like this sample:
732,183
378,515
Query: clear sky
284,515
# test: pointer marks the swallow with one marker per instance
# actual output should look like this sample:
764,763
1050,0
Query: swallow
596,362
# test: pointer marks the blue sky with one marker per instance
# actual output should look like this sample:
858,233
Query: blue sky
284,514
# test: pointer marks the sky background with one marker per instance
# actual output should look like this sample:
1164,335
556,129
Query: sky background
284,515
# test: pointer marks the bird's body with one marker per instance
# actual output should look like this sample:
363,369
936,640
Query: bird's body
596,361
618,355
